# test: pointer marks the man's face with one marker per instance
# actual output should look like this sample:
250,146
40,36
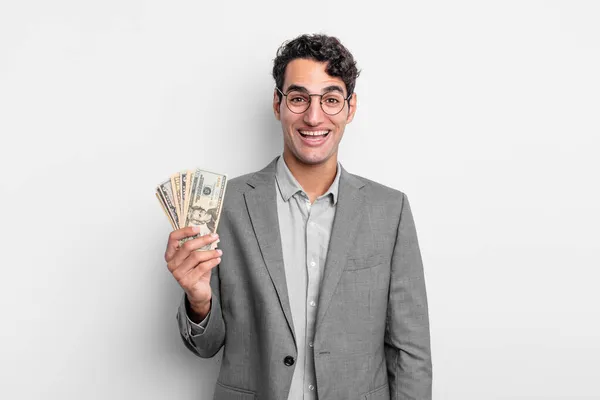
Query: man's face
310,75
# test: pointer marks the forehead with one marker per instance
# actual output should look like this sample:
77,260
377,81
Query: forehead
309,74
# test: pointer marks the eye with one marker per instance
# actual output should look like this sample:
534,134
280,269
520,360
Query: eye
333,99
297,99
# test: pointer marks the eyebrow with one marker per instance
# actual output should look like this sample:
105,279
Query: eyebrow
330,88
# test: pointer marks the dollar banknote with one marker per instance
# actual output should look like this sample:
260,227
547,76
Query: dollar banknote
176,188
165,190
186,177
164,207
193,198
206,202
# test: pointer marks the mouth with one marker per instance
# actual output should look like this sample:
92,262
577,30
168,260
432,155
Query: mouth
314,134
314,138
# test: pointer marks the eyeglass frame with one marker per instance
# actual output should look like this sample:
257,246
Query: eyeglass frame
346,99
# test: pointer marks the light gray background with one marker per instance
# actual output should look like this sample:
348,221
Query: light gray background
486,113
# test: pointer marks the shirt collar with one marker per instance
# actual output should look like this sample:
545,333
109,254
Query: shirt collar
289,186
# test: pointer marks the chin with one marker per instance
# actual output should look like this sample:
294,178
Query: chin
313,159
310,156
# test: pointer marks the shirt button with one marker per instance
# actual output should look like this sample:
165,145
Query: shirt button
312,303
311,387
312,264
289,361
310,344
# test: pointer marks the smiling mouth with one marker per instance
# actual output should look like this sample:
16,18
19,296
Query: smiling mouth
313,134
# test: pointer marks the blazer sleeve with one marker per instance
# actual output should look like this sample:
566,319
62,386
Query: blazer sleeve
407,339
209,342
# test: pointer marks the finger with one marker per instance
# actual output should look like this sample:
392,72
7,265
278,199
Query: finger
171,250
175,237
193,261
184,232
193,245
194,275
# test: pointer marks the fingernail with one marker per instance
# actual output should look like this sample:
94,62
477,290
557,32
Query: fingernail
196,228
220,252
214,235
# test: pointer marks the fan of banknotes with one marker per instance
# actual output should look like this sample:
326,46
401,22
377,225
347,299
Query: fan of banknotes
193,198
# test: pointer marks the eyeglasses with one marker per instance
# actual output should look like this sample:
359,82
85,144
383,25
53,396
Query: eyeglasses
332,103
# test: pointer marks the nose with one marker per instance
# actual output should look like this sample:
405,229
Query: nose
314,115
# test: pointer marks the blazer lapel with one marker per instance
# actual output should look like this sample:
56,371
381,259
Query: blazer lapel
262,208
345,224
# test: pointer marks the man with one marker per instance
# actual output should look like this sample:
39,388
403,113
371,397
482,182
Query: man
317,290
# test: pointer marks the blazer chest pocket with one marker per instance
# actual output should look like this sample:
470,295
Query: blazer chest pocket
358,263
224,392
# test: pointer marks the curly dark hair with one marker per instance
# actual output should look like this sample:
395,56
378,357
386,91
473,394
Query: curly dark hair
318,47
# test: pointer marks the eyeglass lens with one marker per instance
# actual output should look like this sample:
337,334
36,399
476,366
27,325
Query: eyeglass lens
331,102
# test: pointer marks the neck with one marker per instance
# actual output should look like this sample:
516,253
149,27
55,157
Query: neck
314,179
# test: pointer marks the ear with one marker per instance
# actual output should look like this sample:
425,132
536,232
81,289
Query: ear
276,105
351,107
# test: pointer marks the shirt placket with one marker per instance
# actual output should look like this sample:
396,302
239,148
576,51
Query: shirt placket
313,279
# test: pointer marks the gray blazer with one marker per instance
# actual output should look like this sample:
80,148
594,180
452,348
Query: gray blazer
372,329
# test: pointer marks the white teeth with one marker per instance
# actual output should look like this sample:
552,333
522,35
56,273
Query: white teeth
314,133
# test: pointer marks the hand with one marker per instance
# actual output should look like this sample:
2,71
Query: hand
192,269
